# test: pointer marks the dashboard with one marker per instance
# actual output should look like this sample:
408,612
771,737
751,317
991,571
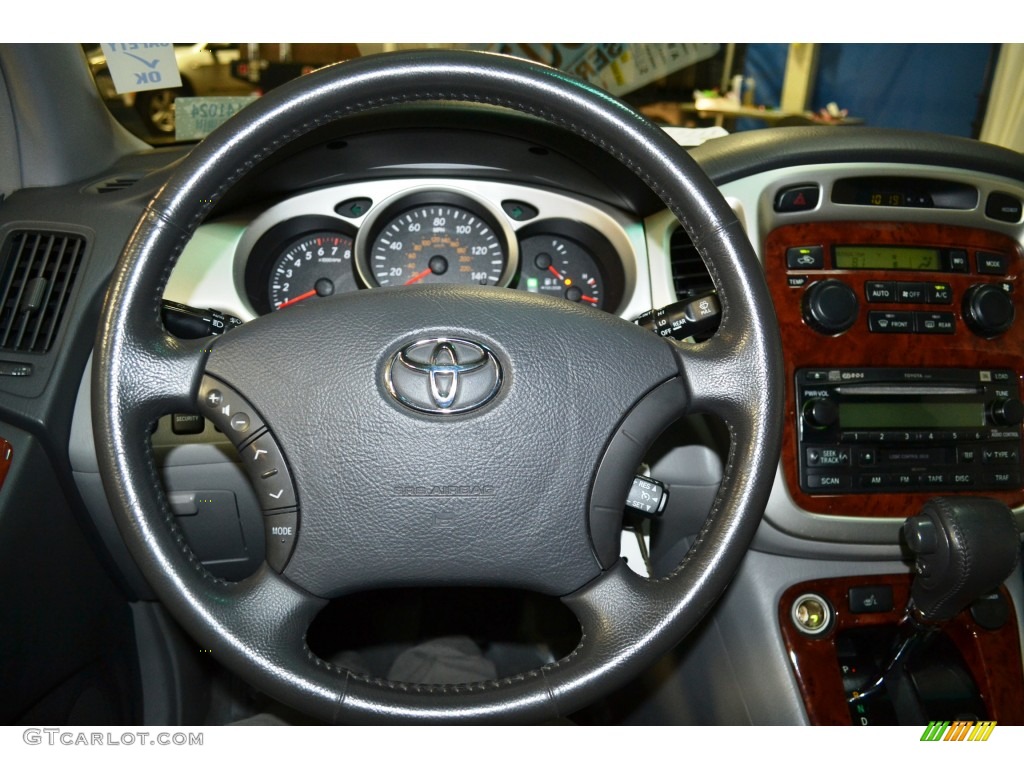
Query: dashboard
897,289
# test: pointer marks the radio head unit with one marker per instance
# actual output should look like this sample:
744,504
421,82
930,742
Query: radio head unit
875,430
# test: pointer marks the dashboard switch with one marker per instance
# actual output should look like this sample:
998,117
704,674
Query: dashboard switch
805,257
883,291
991,263
1003,207
802,198
875,599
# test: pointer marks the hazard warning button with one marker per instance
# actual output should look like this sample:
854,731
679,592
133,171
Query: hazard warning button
802,198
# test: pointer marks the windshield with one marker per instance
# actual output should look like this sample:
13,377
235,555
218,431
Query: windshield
964,90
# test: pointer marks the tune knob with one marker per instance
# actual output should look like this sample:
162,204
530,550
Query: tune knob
988,310
1008,412
830,307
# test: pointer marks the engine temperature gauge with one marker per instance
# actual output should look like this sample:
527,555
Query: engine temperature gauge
559,266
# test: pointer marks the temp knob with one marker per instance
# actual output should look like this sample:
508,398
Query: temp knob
1008,412
988,310
830,307
820,413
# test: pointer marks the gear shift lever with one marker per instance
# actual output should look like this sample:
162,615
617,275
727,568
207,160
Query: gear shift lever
963,548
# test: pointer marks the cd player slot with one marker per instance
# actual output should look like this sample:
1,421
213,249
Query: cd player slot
869,389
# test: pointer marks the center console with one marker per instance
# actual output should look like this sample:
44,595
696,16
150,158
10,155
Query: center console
904,347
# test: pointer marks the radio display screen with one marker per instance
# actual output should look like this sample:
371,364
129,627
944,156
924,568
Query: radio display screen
887,257
911,415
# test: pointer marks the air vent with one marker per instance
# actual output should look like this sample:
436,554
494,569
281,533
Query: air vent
689,274
115,184
38,273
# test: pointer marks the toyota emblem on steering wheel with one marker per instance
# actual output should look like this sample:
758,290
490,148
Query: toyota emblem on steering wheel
443,376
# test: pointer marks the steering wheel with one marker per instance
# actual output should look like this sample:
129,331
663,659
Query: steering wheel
425,414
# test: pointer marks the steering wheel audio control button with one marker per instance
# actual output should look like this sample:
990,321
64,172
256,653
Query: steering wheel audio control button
228,410
280,531
269,474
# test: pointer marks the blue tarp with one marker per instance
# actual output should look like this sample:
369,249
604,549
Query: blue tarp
925,86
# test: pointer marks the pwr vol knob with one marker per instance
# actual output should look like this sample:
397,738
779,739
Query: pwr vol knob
830,307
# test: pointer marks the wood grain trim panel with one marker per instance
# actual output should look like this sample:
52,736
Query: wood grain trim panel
858,348
993,657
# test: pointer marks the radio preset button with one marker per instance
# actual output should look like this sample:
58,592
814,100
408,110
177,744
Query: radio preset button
883,291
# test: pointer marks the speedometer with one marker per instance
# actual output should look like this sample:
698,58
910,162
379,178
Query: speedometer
437,244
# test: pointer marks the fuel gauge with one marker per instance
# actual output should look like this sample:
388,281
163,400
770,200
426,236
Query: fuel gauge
560,266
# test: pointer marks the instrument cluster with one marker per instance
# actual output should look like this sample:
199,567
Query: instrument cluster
382,235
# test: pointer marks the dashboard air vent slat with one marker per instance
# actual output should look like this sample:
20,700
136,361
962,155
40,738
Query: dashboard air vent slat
38,273
689,275
115,184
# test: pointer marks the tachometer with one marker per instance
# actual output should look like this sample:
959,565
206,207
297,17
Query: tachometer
317,264
437,244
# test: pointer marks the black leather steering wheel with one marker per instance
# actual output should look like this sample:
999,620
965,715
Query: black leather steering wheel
532,508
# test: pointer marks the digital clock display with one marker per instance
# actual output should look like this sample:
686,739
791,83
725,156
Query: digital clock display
887,257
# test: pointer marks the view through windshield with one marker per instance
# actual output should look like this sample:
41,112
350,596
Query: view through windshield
945,88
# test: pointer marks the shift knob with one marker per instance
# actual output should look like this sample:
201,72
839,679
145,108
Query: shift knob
963,548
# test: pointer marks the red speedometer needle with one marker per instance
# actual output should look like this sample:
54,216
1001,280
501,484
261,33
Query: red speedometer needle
418,276
297,299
